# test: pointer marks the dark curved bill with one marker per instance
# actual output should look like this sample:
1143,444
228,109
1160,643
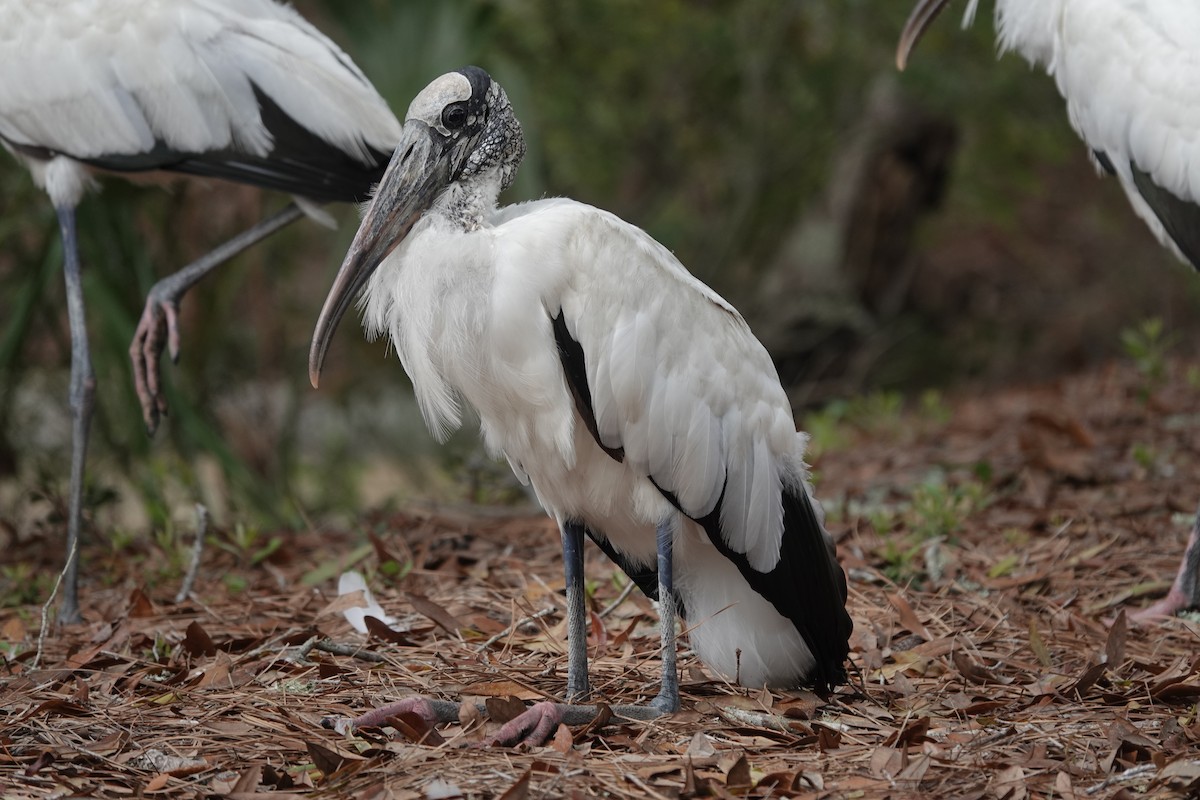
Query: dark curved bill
921,17
418,172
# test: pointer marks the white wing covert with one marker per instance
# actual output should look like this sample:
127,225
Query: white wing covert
679,384
160,79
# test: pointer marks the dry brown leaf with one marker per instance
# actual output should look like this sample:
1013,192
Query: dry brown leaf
436,613
1064,787
1009,783
503,709
975,673
139,605
908,617
519,790
737,776
249,780
197,642
158,782
502,689
562,740
378,629
1114,645
913,733
13,630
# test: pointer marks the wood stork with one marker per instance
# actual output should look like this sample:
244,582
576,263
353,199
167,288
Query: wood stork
632,397
1129,72
245,90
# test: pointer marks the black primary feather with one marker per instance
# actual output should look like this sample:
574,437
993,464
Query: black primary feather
300,162
1179,218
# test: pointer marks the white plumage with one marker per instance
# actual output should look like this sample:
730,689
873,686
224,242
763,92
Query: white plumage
245,90
678,381
1129,71
632,397
98,79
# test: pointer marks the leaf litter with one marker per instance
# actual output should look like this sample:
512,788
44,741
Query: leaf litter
1011,670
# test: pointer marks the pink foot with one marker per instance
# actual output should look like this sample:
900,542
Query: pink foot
375,718
533,727
1169,606
158,317
1185,591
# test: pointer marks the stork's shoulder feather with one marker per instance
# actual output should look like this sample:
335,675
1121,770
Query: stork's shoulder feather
1130,73
676,381
163,80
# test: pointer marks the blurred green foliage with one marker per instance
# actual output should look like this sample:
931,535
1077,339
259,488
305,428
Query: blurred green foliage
712,124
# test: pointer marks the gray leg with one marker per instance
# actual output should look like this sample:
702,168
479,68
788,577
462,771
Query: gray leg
83,393
538,723
668,694
162,311
578,687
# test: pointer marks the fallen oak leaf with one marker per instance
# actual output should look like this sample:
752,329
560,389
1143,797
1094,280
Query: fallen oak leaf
197,642
158,782
563,741
1087,680
440,616
974,673
217,673
737,777
378,629
414,728
58,706
908,617
330,759
140,605
505,688
248,781
912,733
503,709
520,789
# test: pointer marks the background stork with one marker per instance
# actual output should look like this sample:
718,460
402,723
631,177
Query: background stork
1130,73
632,397
245,90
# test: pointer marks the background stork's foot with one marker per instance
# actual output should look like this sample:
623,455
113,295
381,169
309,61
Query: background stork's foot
1185,590
533,727
158,327
1169,606
431,712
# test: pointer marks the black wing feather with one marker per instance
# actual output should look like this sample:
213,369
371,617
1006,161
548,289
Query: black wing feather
1180,218
807,586
300,162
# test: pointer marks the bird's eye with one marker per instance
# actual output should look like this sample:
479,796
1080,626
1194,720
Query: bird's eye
455,116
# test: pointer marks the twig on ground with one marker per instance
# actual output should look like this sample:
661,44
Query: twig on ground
354,651
531,618
37,657
757,719
1131,774
197,551
621,598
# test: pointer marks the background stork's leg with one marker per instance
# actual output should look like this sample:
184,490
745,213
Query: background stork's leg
161,313
1185,591
578,686
82,398
668,693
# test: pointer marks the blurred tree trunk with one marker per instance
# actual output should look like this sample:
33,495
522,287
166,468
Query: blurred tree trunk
846,268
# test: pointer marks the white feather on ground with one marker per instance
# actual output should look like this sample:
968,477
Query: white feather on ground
351,582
